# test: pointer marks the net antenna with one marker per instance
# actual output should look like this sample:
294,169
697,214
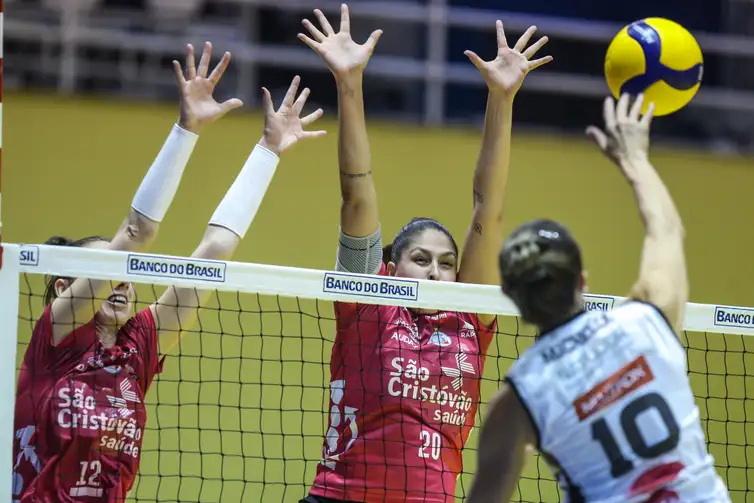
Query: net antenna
2,20
8,279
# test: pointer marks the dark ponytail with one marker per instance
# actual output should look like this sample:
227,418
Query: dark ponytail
387,253
50,293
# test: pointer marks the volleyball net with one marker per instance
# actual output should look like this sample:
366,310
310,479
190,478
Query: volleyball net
240,410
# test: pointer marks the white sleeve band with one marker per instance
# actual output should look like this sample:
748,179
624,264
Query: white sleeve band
240,205
160,184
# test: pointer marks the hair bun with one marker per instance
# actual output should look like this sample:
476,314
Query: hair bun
58,241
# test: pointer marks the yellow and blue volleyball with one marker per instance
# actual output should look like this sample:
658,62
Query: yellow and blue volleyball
659,58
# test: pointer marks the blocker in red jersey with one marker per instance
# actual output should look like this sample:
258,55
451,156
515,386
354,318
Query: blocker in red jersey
404,382
80,414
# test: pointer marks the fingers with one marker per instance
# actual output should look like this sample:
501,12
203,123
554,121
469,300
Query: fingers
323,22
178,73
231,104
539,62
608,112
291,93
309,119
219,70
373,39
345,19
524,40
598,136
502,42
475,60
267,102
313,134
204,61
646,120
621,111
636,107
311,43
313,30
298,105
190,63
536,46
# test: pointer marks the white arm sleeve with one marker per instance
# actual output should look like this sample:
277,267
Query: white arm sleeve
160,184
240,205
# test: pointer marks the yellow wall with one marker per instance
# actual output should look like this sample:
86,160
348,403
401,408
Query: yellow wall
71,166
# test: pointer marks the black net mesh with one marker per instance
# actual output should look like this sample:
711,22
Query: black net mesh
240,410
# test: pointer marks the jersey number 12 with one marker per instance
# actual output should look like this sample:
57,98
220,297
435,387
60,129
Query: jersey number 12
619,465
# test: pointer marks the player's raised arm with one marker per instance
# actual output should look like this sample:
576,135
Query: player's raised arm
360,248
78,304
505,434
176,309
662,273
504,76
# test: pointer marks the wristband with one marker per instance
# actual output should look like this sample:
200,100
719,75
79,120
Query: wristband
240,205
160,184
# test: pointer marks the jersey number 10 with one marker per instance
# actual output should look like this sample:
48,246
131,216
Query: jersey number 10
628,422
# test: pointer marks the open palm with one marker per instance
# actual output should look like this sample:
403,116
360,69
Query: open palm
339,51
507,71
284,127
198,106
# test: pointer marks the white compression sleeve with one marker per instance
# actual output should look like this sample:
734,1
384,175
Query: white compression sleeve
240,205
160,184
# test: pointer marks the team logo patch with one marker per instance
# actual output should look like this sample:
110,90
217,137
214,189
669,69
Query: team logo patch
631,377
440,339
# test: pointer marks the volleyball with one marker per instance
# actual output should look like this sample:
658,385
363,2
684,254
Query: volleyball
659,58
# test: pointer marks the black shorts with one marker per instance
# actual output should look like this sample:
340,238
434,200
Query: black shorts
320,499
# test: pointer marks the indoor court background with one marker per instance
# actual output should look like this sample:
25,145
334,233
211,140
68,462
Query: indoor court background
56,149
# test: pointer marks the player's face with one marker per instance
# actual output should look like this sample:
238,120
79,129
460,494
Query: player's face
430,255
117,308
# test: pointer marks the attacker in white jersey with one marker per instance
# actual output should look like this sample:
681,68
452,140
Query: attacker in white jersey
604,396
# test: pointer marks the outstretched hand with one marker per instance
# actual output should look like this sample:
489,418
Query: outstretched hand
341,54
507,71
283,128
198,106
626,133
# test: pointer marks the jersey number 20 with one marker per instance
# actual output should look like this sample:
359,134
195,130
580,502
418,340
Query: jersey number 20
628,422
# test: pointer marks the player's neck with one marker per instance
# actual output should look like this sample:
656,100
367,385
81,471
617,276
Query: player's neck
577,310
107,335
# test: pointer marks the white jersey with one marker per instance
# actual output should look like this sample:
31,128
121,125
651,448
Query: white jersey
616,419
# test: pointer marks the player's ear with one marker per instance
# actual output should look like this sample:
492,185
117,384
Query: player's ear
391,268
583,287
61,285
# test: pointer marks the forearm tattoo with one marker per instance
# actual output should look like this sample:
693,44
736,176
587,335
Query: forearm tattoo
355,175
478,197
478,228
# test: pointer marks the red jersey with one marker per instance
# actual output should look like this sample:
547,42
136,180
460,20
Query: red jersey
403,395
80,413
